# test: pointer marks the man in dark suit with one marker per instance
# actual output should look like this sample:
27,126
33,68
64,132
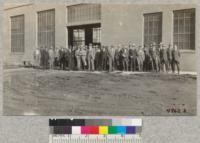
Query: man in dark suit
176,58
146,59
46,58
62,58
169,57
117,57
42,58
132,57
104,52
163,57
125,56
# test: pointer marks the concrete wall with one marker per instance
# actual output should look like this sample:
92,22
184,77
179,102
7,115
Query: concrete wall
30,12
124,24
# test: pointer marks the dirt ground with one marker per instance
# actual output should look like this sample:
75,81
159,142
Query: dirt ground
37,92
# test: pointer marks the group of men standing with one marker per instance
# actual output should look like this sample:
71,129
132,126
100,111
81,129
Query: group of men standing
156,57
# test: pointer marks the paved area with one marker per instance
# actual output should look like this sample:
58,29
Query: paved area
56,92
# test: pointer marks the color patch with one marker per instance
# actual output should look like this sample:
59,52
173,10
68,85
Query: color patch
130,130
76,130
66,122
112,130
94,130
85,130
103,130
98,122
121,129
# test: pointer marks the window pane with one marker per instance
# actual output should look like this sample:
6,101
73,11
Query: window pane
184,25
17,33
97,35
84,12
78,37
152,28
46,28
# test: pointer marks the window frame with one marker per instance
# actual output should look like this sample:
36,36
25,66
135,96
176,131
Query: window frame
15,49
46,29
193,33
98,36
75,41
160,31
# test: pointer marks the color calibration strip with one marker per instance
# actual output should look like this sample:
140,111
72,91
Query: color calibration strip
95,130
103,130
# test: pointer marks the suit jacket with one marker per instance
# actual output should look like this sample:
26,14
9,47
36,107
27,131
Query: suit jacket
169,54
163,55
176,55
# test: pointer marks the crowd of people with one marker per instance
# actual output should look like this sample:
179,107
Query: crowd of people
155,57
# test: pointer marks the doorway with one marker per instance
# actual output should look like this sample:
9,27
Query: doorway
84,35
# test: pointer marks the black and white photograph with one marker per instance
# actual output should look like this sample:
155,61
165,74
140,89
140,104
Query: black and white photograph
99,59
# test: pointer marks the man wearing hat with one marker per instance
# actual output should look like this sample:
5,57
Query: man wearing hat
125,56
163,57
147,58
140,58
131,56
104,54
117,57
135,55
169,57
62,58
176,58
91,57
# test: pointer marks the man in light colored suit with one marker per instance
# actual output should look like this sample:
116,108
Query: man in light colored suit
51,57
91,57
111,56
37,57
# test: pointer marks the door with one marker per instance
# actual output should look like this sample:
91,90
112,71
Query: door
84,34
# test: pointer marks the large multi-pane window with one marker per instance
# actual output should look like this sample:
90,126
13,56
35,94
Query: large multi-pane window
184,29
152,28
84,12
97,35
46,28
78,37
17,33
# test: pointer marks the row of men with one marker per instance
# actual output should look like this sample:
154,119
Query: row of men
127,58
